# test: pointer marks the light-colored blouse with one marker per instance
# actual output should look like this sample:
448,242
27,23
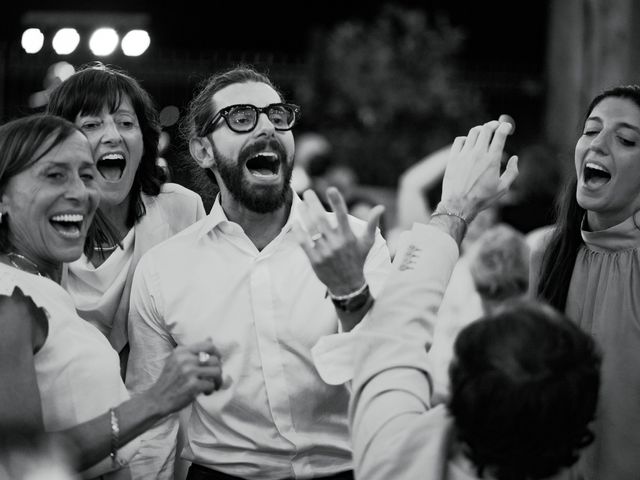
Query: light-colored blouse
604,299
77,371
97,290
168,213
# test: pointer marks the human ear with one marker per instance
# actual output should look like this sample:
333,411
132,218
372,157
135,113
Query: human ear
202,152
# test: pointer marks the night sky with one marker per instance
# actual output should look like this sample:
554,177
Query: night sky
503,32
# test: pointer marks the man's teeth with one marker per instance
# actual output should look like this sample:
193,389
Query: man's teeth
68,217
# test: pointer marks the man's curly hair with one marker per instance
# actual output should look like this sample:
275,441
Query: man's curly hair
524,388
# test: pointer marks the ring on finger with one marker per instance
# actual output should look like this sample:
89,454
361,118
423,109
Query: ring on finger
317,236
203,357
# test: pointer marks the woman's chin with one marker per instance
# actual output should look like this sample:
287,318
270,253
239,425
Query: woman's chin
68,255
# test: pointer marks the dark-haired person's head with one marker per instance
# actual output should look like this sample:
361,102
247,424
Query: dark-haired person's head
239,130
122,124
48,191
524,389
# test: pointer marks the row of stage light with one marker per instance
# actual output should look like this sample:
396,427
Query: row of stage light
102,42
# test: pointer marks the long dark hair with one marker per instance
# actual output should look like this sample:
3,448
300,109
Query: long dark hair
560,255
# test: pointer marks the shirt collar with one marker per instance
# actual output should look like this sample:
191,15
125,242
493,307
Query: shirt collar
217,217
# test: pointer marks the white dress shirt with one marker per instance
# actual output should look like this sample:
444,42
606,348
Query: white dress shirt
273,417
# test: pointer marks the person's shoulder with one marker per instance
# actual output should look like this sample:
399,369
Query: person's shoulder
177,190
42,289
538,239
172,247
177,205
176,196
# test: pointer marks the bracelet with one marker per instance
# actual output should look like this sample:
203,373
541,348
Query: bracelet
443,210
115,433
351,295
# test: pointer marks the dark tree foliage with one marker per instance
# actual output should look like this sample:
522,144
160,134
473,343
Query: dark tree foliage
388,91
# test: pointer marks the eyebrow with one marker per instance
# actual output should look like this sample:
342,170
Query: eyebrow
620,124
65,164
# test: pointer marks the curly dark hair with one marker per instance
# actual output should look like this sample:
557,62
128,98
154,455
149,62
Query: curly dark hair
524,388
87,92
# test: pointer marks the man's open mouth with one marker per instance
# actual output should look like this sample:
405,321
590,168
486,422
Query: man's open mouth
111,166
264,164
595,175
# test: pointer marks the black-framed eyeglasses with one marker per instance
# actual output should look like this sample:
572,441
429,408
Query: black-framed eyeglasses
243,118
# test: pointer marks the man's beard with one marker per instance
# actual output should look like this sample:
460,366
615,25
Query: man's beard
259,199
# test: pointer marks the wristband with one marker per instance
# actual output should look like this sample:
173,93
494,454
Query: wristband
349,296
443,210
352,302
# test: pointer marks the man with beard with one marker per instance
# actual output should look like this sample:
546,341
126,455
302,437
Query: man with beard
242,277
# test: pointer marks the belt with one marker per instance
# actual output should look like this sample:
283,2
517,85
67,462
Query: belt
200,472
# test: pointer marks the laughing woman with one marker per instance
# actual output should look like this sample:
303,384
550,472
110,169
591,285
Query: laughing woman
118,117
58,373
591,271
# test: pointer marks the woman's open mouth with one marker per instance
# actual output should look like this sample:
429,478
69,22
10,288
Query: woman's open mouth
68,225
595,175
111,166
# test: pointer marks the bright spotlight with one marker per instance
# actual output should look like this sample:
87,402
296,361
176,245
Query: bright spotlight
103,41
65,41
135,43
32,40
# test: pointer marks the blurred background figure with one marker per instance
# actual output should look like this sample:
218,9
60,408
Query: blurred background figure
529,205
311,156
316,168
161,161
492,271
499,266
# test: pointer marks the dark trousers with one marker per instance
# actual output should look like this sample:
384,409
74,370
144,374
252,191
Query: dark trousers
198,472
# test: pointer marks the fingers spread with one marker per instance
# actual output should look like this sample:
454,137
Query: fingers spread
499,138
316,218
485,134
509,175
304,239
373,222
504,118
457,145
339,207
472,137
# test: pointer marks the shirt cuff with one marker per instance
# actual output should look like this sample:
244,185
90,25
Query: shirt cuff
333,357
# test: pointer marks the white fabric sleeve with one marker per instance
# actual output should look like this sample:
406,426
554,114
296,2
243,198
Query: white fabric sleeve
151,344
391,381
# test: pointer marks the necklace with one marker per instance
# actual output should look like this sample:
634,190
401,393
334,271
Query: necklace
32,267
108,248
